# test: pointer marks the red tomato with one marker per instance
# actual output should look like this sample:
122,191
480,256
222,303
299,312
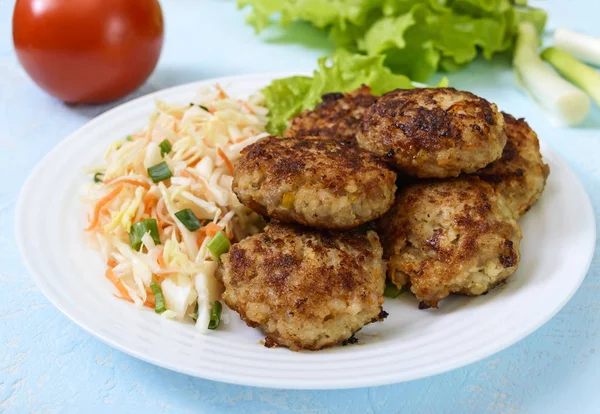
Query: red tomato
88,51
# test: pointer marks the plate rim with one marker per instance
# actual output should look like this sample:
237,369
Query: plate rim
266,382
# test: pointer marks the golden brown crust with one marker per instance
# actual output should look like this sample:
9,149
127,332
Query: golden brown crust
337,116
445,237
433,132
306,289
520,174
317,182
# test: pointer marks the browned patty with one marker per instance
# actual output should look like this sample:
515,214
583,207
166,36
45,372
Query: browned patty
317,182
337,117
520,175
306,289
444,237
433,132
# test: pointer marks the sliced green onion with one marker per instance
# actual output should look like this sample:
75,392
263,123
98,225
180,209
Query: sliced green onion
128,138
194,314
165,147
218,245
139,229
215,315
567,104
583,47
188,219
159,299
391,290
99,177
160,172
577,72
204,107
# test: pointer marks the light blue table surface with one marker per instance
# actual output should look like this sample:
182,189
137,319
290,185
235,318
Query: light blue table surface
48,364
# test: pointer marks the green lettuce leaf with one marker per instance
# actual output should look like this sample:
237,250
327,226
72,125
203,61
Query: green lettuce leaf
416,37
343,72
283,97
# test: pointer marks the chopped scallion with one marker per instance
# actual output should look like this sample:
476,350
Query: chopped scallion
139,229
99,177
577,72
391,290
218,245
204,107
188,219
165,147
160,172
128,138
215,315
159,299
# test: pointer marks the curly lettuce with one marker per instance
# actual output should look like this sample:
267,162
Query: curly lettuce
416,37
342,72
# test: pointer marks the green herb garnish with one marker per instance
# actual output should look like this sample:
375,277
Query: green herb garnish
160,172
391,290
215,315
218,245
159,299
99,177
194,314
139,229
188,219
165,147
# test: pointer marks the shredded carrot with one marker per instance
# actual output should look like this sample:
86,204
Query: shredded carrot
226,160
101,204
186,174
195,162
200,241
149,301
205,191
242,139
117,282
148,198
161,260
211,229
248,107
222,93
129,181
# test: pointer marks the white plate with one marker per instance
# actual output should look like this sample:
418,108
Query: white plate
557,248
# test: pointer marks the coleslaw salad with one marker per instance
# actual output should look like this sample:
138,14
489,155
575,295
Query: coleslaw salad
162,209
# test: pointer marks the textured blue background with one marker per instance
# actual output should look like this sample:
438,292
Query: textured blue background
47,364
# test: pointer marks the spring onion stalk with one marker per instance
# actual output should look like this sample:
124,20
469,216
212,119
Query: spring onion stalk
392,291
99,177
218,245
139,229
537,17
129,138
215,315
160,172
188,219
579,73
564,102
583,47
165,147
159,299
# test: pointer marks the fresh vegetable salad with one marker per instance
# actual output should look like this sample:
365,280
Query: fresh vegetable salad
161,207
